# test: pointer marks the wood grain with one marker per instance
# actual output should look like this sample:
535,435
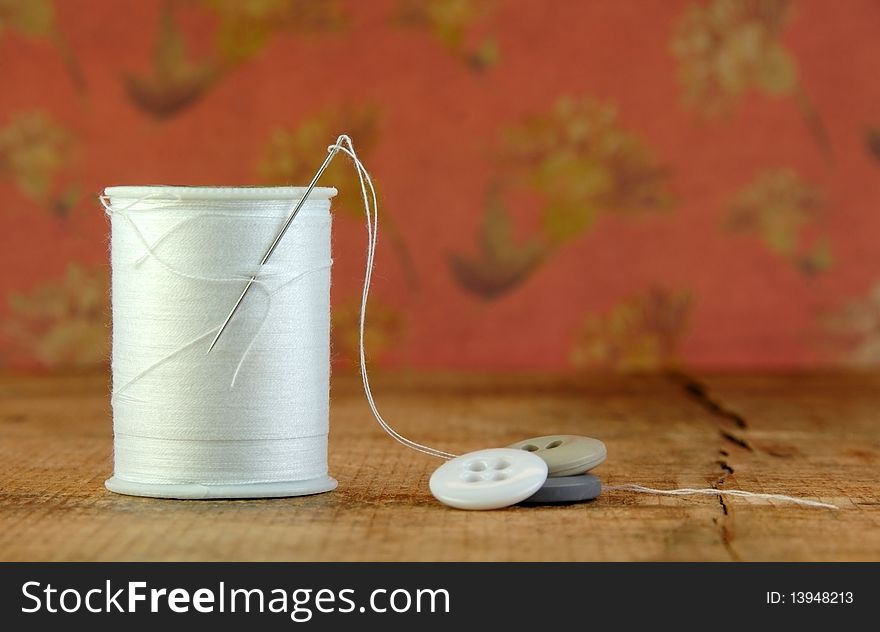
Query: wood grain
809,435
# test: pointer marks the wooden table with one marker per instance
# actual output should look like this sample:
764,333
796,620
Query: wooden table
812,435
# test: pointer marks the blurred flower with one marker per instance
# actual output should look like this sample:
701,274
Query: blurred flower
64,323
728,47
582,162
778,206
245,27
642,333
855,329
175,81
501,263
452,22
381,331
34,151
35,19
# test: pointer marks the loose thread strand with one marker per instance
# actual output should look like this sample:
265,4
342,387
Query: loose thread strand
372,216
711,491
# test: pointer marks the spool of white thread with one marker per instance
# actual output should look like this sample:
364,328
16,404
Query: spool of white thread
251,418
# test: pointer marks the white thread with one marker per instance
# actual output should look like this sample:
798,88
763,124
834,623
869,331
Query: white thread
372,215
255,411
711,491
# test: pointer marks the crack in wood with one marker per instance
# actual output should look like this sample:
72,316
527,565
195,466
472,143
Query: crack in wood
724,465
736,440
699,392
723,523
727,541
725,418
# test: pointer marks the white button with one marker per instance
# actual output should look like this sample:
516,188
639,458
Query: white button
488,479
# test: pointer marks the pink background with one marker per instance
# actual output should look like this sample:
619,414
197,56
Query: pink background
754,246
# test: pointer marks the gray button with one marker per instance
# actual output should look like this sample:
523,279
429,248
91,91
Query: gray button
567,489
565,455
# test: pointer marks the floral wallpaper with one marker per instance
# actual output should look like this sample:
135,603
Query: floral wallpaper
570,185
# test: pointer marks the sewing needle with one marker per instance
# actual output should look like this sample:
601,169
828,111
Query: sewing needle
277,239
